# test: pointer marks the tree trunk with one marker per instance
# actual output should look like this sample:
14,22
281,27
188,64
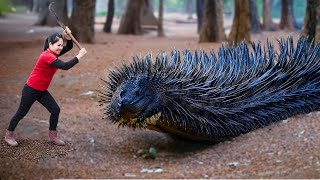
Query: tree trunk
311,28
147,16
82,18
267,23
160,20
29,4
45,18
36,7
287,20
254,17
108,24
200,8
241,22
317,36
130,22
213,29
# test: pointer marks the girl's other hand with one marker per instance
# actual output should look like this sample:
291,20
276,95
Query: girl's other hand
81,53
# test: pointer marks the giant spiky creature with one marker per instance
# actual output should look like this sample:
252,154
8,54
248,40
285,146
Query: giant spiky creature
213,97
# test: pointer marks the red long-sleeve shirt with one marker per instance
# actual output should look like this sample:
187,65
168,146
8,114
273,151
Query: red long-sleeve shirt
46,66
42,74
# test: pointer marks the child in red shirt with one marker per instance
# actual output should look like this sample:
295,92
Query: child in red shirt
38,82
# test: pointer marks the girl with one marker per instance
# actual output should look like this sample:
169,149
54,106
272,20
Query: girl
38,82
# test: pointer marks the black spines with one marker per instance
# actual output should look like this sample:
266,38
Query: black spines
232,92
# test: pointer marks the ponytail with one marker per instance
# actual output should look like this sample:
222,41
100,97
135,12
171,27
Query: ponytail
53,38
46,44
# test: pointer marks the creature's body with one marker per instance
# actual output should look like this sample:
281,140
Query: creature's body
210,98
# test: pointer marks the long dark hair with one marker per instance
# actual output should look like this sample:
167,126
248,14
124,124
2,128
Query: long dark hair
53,38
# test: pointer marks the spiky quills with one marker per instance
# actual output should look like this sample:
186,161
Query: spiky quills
212,97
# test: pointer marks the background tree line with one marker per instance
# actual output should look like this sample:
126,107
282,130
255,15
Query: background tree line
249,16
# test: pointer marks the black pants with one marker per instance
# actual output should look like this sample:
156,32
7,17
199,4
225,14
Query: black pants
29,96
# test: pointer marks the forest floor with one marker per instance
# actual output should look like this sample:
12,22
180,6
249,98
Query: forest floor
97,148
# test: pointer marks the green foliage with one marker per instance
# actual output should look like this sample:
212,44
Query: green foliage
152,152
5,6
20,9
171,5
259,7
276,9
299,8
117,12
228,5
104,13
119,4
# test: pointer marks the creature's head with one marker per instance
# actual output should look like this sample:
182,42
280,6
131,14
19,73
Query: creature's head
135,102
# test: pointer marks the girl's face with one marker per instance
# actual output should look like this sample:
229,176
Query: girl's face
56,47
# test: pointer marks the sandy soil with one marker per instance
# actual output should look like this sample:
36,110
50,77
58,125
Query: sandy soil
97,148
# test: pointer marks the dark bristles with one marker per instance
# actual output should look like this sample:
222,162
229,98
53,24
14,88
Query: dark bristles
212,96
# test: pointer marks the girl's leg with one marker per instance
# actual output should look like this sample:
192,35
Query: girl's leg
50,104
47,101
29,96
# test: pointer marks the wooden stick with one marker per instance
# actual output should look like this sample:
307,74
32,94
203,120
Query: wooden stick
62,25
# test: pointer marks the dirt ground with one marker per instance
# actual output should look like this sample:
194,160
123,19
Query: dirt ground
97,148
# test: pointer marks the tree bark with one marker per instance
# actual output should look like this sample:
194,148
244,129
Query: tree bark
147,15
36,7
267,23
311,28
213,29
29,4
45,18
287,20
82,18
200,8
317,36
254,17
130,22
160,20
109,19
241,22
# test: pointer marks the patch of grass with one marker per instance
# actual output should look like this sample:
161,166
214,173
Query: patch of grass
101,14
20,9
